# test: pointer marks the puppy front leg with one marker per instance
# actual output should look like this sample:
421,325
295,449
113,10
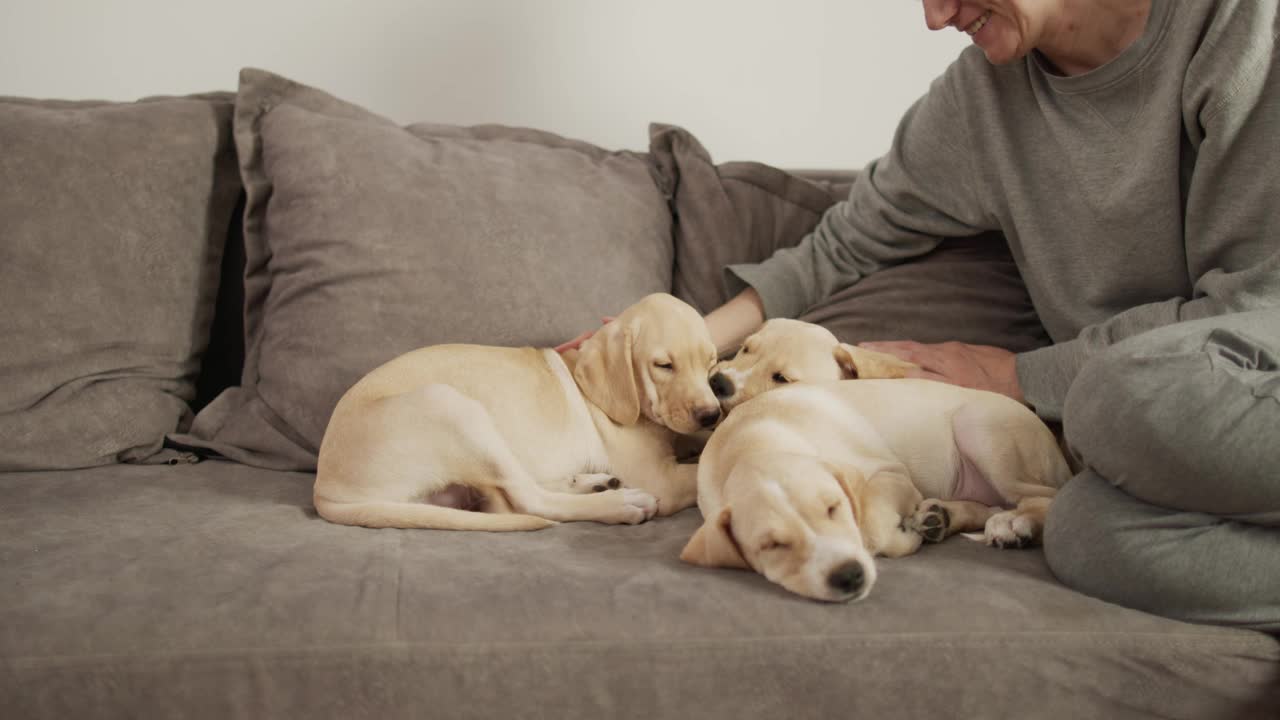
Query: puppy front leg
584,483
938,520
889,513
612,506
674,484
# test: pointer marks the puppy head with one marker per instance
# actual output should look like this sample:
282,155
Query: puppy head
794,520
789,351
654,360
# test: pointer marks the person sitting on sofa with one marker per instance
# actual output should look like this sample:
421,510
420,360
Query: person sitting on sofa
1124,149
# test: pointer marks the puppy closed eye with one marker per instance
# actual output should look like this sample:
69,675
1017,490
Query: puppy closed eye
780,378
664,365
774,545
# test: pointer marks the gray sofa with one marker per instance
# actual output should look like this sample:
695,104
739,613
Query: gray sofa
172,352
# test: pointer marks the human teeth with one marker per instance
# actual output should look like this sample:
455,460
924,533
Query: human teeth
976,25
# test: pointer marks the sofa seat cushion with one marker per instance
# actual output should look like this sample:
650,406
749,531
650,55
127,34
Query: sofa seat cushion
213,590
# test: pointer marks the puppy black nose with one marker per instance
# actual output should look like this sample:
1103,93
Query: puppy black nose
721,385
847,578
707,418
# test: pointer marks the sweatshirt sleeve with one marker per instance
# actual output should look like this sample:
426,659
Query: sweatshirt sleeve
923,189
1231,230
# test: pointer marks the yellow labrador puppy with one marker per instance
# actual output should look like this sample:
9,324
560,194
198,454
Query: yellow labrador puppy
472,437
786,351
806,484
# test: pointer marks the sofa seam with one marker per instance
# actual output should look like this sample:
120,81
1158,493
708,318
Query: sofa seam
1165,641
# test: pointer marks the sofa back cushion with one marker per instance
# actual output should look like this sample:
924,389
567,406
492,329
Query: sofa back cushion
968,289
112,223
365,240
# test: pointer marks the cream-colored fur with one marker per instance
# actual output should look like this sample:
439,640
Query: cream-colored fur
785,351
474,437
807,482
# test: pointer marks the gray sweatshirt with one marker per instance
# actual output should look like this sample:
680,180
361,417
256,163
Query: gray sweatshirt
1140,194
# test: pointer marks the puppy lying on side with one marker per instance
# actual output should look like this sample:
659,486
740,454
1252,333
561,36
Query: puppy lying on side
786,351
471,437
807,483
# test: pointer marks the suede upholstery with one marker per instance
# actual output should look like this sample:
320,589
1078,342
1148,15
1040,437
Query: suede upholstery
112,223
214,591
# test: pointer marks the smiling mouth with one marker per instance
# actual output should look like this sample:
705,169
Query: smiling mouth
978,24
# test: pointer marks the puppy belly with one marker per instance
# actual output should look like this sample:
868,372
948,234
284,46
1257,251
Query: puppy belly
460,497
973,486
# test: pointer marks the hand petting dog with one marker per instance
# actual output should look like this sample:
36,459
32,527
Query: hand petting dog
981,367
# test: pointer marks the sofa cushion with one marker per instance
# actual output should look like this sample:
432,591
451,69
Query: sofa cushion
968,289
365,239
214,591
112,223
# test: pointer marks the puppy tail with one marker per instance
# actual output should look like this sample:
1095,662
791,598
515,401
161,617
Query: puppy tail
422,515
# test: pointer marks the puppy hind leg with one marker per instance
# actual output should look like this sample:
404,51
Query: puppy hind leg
1006,454
386,476
1020,527
471,433
1020,460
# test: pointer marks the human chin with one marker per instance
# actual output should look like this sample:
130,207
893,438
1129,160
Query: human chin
1000,44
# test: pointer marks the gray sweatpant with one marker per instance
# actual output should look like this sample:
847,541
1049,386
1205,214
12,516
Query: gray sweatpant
1178,510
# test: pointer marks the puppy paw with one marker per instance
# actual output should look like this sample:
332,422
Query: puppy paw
593,483
612,483
637,506
1011,529
932,521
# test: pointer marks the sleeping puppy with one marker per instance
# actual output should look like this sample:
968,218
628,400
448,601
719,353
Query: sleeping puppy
806,484
471,437
786,351
783,352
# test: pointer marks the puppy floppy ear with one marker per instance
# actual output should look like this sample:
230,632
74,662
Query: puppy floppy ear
856,362
713,545
606,371
853,483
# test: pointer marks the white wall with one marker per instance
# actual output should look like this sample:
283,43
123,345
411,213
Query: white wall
795,83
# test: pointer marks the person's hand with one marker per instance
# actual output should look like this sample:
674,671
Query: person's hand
733,321
982,367
575,343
